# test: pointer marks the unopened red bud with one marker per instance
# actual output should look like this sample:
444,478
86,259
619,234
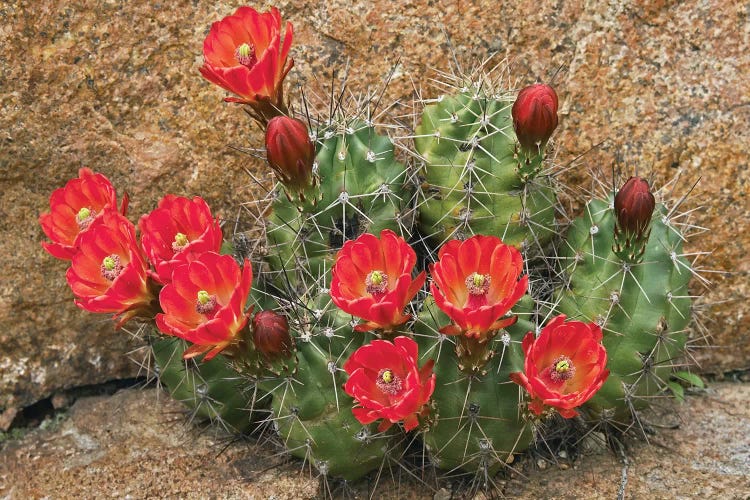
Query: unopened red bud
634,205
535,116
290,152
271,334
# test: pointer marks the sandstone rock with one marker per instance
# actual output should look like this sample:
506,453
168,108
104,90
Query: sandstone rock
136,443
658,86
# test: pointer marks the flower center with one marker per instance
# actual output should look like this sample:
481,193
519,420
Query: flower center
478,284
111,267
376,282
205,302
389,382
562,369
84,217
245,55
180,242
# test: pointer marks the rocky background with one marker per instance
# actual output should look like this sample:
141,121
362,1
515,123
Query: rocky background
657,86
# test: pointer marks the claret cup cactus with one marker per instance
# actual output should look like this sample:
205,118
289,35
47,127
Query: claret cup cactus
431,298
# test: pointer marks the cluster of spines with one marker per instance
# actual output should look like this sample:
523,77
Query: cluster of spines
642,304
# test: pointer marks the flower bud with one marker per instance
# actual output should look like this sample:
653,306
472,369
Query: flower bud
535,116
290,152
271,334
634,205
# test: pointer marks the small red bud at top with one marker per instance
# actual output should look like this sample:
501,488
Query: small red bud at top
634,205
290,152
271,334
535,116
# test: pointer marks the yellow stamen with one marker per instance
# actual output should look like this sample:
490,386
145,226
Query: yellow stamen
84,214
562,366
387,376
180,240
109,263
244,50
203,297
376,278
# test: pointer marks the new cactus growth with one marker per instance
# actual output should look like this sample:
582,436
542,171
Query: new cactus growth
476,180
477,425
635,288
361,188
213,390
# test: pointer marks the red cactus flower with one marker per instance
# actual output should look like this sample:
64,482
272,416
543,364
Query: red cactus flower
205,303
476,282
564,366
290,152
387,383
108,273
271,334
535,116
372,280
73,208
245,54
634,205
176,232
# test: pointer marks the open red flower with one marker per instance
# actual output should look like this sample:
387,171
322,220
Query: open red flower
476,282
387,383
372,280
73,208
108,273
564,366
245,54
205,303
176,232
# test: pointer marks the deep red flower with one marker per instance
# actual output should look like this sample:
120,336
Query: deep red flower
634,205
205,303
535,116
476,282
245,54
372,280
385,380
73,208
108,273
290,152
564,366
176,232
271,334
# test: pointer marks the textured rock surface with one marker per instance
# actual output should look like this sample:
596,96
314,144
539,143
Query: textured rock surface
128,444
661,86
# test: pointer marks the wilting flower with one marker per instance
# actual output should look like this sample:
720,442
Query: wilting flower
73,208
290,152
205,303
372,280
245,54
535,116
564,366
387,383
176,232
271,334
108,273
476,282
634,205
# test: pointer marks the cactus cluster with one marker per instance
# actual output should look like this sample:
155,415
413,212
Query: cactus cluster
330,337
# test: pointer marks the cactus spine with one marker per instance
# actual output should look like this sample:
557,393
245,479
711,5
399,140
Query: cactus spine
362,188
212,390
642,304
475,181
477,425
